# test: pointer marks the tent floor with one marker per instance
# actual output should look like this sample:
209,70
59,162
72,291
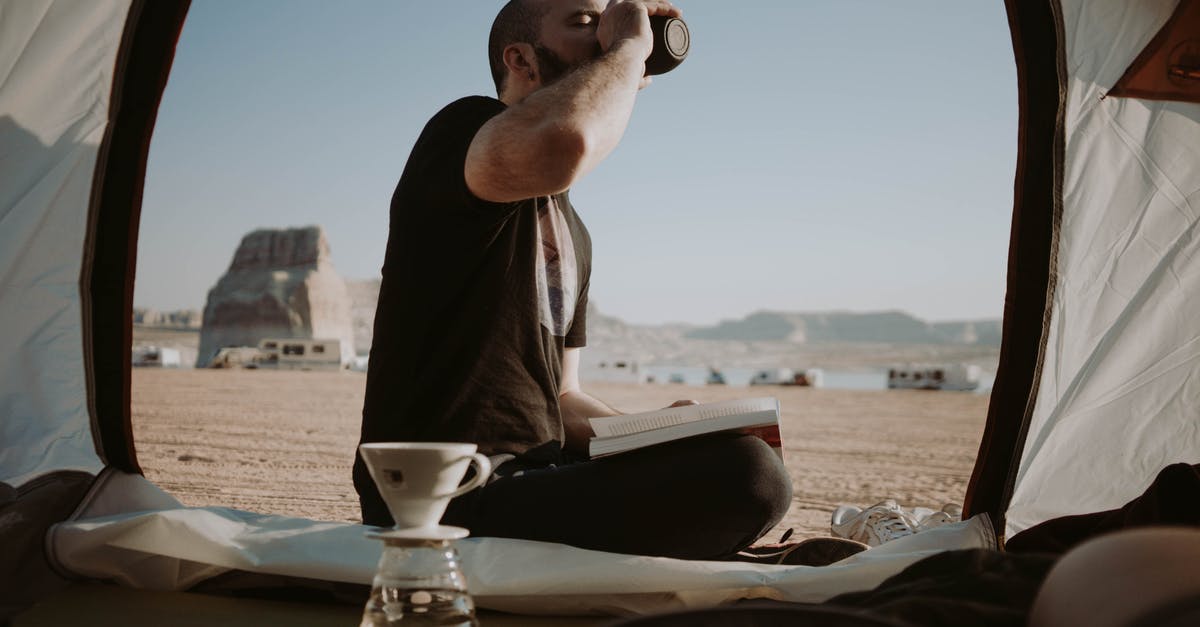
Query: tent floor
102,605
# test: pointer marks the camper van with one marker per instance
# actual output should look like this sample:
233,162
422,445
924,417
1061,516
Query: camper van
235,357
616,371
811,377
957,377
156,357
300,354
774,376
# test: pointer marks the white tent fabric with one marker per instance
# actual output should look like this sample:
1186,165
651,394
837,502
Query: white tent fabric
56,71
169,547
1120,382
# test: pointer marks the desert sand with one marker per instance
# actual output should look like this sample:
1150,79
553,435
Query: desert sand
282,442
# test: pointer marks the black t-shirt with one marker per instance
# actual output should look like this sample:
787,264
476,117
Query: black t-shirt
477,301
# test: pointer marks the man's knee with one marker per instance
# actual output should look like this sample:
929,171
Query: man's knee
746,492
759,473
743,477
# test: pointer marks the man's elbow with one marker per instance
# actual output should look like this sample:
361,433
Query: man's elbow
564,158
548,163
568,391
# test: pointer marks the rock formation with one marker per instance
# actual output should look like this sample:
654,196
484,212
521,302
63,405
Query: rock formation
281,284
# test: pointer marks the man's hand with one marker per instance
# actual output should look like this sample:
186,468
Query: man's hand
578,433
578,429
629,21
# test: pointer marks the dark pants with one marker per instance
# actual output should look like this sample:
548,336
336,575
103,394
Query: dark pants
701,498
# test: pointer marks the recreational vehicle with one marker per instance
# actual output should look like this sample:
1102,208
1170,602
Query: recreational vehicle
300,354
617,371
156,357
773,376
236,357
959,377
786,376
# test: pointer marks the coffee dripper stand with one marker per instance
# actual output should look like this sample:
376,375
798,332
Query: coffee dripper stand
419,580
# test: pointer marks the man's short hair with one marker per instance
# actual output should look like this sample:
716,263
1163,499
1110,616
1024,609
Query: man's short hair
519,21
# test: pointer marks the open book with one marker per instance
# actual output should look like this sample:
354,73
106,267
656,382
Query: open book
753,416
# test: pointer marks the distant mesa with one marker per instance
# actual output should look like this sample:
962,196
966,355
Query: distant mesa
280,284
772,341
893,327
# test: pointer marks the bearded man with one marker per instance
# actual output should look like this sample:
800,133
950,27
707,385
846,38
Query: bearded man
483,300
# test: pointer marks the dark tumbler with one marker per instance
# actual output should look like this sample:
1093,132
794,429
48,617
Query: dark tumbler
671,43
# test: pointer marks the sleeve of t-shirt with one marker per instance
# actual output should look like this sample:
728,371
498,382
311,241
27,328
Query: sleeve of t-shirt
577,335
441,156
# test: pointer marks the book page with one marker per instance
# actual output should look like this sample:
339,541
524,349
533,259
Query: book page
609,426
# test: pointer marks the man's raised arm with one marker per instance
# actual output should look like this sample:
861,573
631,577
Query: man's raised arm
546,141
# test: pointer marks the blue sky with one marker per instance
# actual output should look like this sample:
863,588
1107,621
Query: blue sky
816,155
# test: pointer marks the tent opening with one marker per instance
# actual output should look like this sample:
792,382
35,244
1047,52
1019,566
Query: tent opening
811,229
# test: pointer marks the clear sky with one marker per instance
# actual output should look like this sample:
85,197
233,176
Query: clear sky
808,155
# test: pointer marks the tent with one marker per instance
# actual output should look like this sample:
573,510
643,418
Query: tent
1096,391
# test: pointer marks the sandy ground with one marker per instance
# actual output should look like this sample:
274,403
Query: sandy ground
283,442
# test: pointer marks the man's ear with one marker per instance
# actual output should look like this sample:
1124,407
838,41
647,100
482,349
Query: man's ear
521,62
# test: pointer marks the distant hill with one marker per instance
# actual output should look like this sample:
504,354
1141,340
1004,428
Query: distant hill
892,327
814,328
837,339
975,332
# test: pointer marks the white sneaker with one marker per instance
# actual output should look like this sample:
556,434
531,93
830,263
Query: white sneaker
950,513
880,523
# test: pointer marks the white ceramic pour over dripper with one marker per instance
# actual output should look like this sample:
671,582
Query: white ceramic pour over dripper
417,480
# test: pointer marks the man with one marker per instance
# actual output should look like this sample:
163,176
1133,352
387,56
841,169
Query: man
482,308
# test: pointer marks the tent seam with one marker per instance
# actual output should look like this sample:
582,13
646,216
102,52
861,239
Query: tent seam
95,201
1048,309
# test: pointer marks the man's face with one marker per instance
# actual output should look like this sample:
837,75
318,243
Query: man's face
568,36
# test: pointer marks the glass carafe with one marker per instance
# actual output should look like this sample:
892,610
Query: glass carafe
419,582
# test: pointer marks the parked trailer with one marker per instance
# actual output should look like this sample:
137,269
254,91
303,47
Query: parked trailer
300,354
956,377
812,377
236,357
156,357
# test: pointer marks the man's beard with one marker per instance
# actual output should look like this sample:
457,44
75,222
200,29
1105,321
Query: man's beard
552,67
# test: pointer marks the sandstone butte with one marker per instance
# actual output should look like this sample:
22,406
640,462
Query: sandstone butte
280,284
